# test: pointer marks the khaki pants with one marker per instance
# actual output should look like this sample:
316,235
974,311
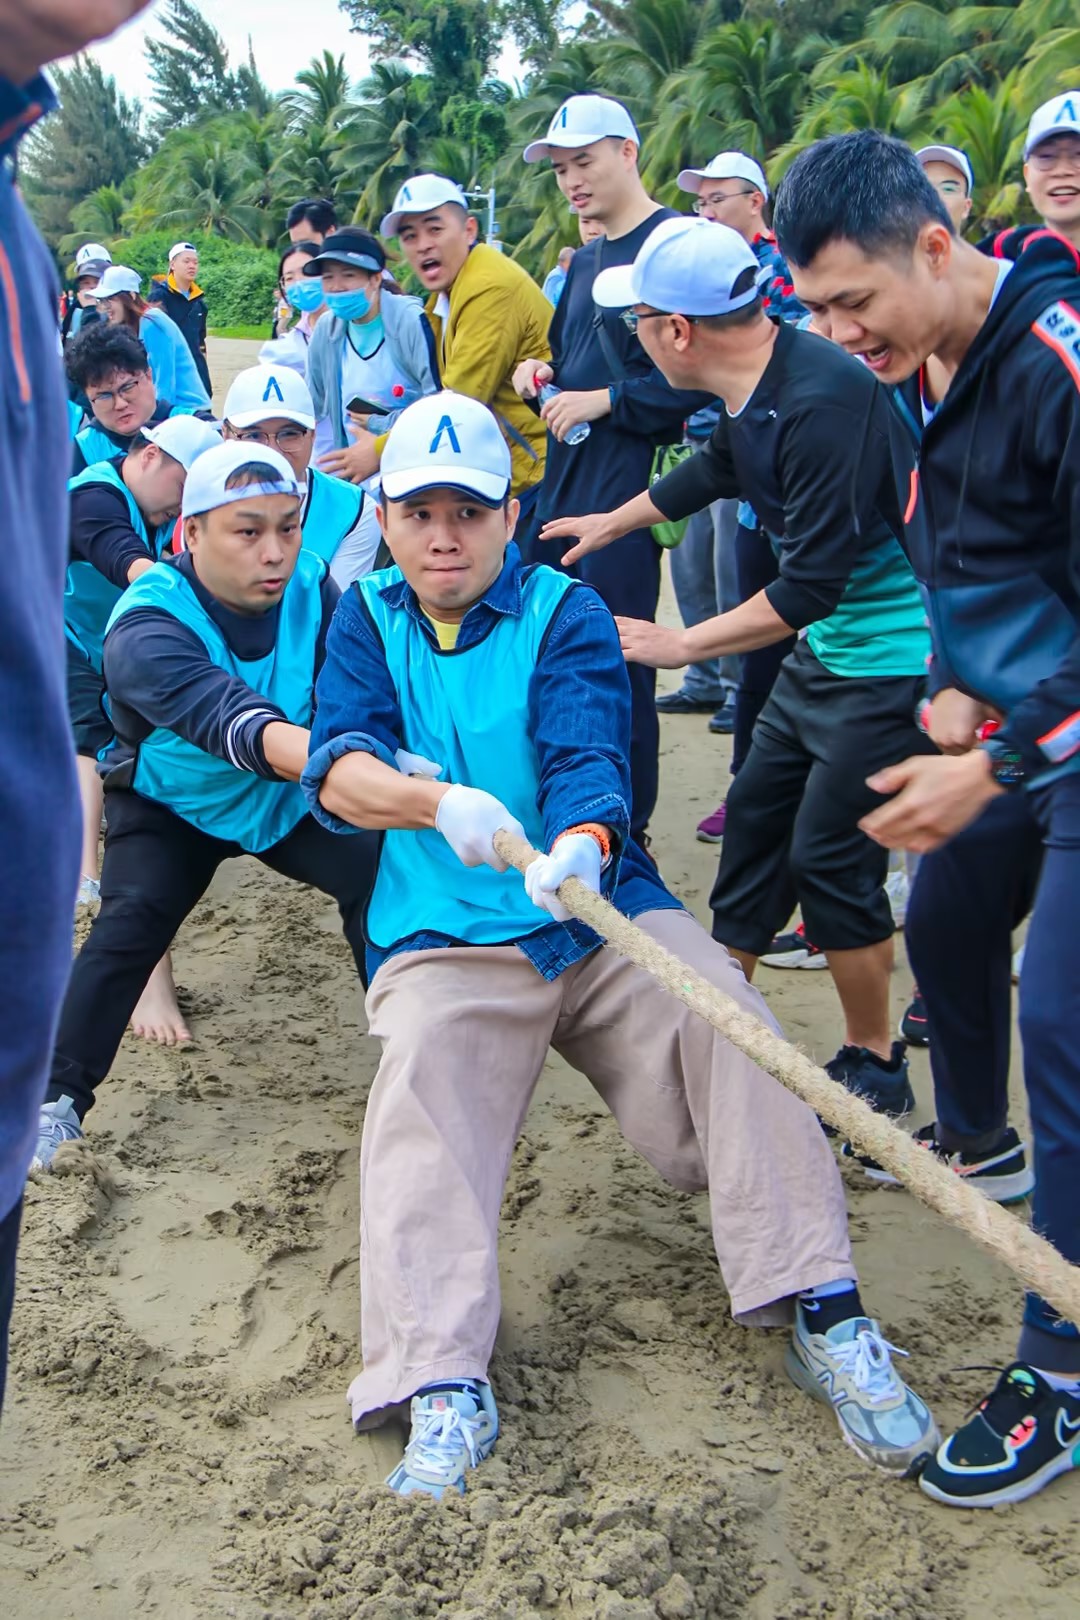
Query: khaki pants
465,1033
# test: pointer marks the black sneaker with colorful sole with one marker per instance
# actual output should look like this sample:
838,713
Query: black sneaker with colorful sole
886,1086
914,1027
1023,1435
793,950
1000,1172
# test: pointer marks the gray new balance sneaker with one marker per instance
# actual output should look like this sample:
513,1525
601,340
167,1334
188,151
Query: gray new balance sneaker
57,1123
850,1369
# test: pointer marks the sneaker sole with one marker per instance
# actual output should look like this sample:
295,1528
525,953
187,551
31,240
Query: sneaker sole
1011,1493
909,1039
709,838
435,1487
794,959
999,1189
899,1464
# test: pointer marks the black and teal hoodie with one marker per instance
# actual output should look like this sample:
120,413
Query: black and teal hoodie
993,511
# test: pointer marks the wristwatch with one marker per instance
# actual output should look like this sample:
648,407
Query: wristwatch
1006,764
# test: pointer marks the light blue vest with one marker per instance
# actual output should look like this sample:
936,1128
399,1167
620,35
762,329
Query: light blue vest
332,512
89,597
75,416
96,445
208,792
469,711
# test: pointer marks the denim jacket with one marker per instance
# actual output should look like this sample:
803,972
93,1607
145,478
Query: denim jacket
579,719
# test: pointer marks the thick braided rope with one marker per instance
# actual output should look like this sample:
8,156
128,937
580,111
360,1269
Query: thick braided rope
1037,1264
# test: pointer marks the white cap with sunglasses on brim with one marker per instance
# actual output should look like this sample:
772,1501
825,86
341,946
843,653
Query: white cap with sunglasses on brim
118,278
1060,116
726,166
264,392
582,121
205,487
420,195
951,155
184,438
446,441
684,267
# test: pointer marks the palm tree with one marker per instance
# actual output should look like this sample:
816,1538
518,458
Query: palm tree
990,125
645,41
98,218
324,90
384,135
859,97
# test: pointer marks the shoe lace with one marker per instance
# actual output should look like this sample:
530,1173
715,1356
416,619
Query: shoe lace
1010,1399
867,1361
438,1435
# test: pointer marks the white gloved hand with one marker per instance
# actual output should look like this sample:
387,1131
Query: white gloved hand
416,765
573,855
468,819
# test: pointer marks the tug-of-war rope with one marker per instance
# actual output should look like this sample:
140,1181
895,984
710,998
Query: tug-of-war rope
1035,1262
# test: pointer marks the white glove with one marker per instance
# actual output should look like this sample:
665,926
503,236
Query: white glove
416,765
573,855
468,819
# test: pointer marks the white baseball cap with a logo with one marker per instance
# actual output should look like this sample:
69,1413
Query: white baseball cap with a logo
582,121
446,441
205,488
184,438
92,257
264,392
117,278
1061,116
419,196
684,267
725,166
951,155
182,247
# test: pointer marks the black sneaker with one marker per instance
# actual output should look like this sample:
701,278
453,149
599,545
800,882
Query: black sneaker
1022,1436
683,702
722,723
1001,1172
913,1026
793,950
884,1085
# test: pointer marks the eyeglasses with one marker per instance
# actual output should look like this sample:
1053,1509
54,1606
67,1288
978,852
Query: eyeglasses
1050,152
285,438
110,395
719,197
630,318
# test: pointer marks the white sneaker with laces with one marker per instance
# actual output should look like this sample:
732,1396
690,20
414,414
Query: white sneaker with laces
454,1427
57,1123
850,1369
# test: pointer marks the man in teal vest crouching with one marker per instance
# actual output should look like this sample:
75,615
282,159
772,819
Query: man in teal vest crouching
211,659
463,693
271,405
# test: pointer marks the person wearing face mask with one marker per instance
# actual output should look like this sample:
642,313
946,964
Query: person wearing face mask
369,357
301,295
271,406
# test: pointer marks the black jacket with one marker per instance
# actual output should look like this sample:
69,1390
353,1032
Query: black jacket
993,513
189,315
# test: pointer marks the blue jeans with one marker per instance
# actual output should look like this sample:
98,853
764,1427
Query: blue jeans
704,577
9,1242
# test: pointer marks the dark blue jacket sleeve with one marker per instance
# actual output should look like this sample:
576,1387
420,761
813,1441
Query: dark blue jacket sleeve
101,532
356,704
579,720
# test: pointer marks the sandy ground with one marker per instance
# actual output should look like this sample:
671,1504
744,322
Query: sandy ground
176,1441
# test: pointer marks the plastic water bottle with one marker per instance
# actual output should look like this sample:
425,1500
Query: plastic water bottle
576,435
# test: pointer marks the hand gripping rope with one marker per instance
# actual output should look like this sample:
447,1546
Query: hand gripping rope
1035,1262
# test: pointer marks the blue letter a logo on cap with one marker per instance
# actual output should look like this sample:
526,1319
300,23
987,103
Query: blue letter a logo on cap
447,427
274,387
1066,113
561,120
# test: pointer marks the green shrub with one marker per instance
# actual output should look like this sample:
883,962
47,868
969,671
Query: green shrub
239,281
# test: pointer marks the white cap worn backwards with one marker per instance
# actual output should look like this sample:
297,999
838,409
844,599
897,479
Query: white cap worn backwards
118,278
684,267
446,441
419,196
582,121
951,155
90,257
204,487
182,247
1061,116
185,438
269,391
725,166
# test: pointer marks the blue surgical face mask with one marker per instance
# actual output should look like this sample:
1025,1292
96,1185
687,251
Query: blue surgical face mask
306,295
349,306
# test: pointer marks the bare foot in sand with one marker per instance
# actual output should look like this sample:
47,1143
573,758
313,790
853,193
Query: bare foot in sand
157,1016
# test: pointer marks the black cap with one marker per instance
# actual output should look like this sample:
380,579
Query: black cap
349,246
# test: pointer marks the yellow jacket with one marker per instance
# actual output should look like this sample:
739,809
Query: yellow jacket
497,317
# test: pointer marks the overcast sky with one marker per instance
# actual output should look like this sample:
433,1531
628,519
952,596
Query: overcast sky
285,35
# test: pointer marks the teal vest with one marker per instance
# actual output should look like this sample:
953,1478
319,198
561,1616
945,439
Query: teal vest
75,416
333,511
96,445
469,712
89,597
208,792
